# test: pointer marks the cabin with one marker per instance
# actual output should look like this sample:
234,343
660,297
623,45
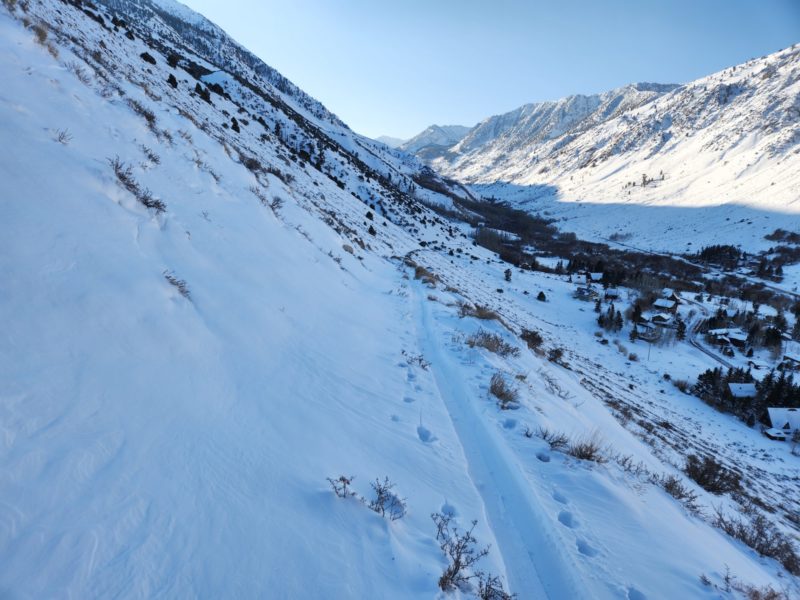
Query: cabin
718,334
586,293
612,294
593,277
742,391
666,305
790,361
670,294
738,338
784,421
661,319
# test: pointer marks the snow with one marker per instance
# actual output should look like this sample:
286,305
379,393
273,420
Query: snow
154,445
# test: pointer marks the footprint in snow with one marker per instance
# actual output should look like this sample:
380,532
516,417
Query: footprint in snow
449,510
542,456
634,594
395,418
559,497
510,423
585,549
567,520
408,399
425,434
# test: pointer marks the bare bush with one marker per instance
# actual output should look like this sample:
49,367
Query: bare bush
587,448
491,588
460,549
491,342
478,311
147,114
341,486
79,72
682,384
556,440
386,502
555,355
204,166
502,390
63,136
711,475
125,178
40,32
286,178
532,338
276,204
425,275
416,359
762,536
180,284
150,154
553,386
673,485
259,193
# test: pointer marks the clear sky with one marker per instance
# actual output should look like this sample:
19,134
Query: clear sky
395,67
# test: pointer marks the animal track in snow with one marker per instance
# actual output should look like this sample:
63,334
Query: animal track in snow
585,549
634,594
425,434
565,518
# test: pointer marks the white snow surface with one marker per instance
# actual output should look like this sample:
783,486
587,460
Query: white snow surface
154,445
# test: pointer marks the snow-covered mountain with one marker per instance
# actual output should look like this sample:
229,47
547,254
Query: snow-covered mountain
216,297
434,138
731,139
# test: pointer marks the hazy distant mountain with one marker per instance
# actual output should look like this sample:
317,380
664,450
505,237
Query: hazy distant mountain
390,141
435,136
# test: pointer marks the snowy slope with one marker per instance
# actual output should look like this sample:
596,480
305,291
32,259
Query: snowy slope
160,439
728,140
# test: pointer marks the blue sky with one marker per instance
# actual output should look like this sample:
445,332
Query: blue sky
396,67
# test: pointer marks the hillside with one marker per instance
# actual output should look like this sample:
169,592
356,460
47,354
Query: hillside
218,298
719,158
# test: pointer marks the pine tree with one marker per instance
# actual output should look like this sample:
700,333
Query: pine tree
680,331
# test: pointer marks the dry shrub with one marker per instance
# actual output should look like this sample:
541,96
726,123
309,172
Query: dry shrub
502,390
492,342
478,311
556,440
587,448
711,475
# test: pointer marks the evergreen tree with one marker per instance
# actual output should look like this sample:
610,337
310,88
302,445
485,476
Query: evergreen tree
680,331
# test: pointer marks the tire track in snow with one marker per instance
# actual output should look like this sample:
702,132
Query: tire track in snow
537,562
